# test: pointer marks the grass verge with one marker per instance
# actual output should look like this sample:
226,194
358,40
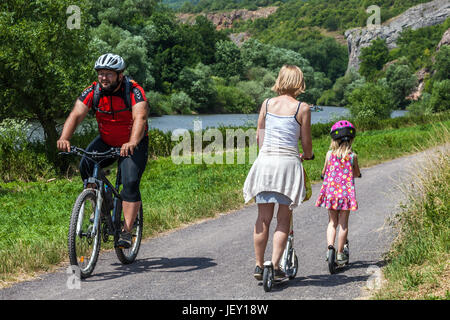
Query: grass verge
35,216
418,264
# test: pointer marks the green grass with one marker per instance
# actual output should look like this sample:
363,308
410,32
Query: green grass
419,261
34,217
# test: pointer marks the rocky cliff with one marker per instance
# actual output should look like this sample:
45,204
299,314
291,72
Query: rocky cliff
224,20
423,15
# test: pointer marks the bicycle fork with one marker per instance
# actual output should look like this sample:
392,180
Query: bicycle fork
98,209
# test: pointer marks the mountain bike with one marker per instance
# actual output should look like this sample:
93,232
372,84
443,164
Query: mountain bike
97,215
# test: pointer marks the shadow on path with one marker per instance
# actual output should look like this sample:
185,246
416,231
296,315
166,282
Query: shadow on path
158,264
331,280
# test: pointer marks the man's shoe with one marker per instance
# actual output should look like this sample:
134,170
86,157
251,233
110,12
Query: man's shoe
258,273
124,240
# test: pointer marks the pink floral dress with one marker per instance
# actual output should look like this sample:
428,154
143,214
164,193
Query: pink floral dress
338,188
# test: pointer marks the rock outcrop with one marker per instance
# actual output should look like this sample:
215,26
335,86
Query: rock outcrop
224,20
423,15
445,40
423,73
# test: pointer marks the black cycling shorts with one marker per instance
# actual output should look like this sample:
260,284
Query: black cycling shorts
131,167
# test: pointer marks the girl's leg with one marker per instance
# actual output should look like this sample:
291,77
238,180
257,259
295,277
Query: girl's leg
332,225
281,233
261,231
343,229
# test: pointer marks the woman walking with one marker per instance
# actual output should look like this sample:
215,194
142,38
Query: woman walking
277,176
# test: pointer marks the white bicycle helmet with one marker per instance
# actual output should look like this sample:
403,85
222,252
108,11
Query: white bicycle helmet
110,61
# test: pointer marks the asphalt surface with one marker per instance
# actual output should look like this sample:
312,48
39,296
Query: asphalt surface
214,260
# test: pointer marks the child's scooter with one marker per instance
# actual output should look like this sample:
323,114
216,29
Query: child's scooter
289,263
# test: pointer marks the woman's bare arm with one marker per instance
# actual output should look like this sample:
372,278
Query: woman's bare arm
304,118
261,125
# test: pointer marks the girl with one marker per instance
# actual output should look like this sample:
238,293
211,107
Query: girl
338,189
276,175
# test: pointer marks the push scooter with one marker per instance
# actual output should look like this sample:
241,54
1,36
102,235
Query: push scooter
289,263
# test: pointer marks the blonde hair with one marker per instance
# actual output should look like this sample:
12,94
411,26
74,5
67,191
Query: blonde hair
290,81
341,150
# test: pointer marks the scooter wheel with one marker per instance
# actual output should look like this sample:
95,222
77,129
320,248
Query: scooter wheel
267,278
331,260
294,269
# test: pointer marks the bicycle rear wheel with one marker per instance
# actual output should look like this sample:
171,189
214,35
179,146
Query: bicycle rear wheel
127,256
83,248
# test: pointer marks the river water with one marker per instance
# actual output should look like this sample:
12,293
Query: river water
171,122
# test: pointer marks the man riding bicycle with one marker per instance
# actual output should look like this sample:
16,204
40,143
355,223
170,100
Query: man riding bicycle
121,111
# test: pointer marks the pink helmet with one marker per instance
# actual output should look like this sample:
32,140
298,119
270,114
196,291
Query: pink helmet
343,129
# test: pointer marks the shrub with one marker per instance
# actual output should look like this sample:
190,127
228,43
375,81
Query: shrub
18,160
371,101
233,100
182,103
440,98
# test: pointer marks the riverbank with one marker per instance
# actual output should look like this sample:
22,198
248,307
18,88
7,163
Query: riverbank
35,215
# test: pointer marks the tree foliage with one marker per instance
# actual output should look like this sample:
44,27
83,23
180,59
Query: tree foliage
42,62
373,58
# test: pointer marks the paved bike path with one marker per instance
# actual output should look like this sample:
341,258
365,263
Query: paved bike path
215,259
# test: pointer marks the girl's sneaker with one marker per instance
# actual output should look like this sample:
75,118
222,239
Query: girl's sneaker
342,258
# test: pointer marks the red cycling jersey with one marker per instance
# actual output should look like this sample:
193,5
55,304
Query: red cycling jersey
115,125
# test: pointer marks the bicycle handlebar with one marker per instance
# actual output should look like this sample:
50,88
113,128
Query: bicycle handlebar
111,153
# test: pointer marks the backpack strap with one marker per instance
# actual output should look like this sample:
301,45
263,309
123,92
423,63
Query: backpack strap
127,99
96,97
128,86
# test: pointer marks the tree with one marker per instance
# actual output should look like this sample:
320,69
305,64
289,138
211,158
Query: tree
208,37
442,64
440,98
198,84
228,59
373,58
44,65
401,81
326,55
371,101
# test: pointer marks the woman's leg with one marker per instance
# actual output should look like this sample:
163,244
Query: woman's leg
332,225
343,229
281,233
261,231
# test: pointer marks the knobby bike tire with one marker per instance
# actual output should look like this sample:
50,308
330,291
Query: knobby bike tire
127,256
87,194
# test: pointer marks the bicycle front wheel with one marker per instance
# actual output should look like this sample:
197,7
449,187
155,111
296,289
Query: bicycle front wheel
127,256
83,247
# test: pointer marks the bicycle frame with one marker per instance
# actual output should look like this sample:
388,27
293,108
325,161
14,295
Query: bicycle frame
99,179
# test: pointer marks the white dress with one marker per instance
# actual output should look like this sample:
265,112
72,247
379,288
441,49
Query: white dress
278,167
